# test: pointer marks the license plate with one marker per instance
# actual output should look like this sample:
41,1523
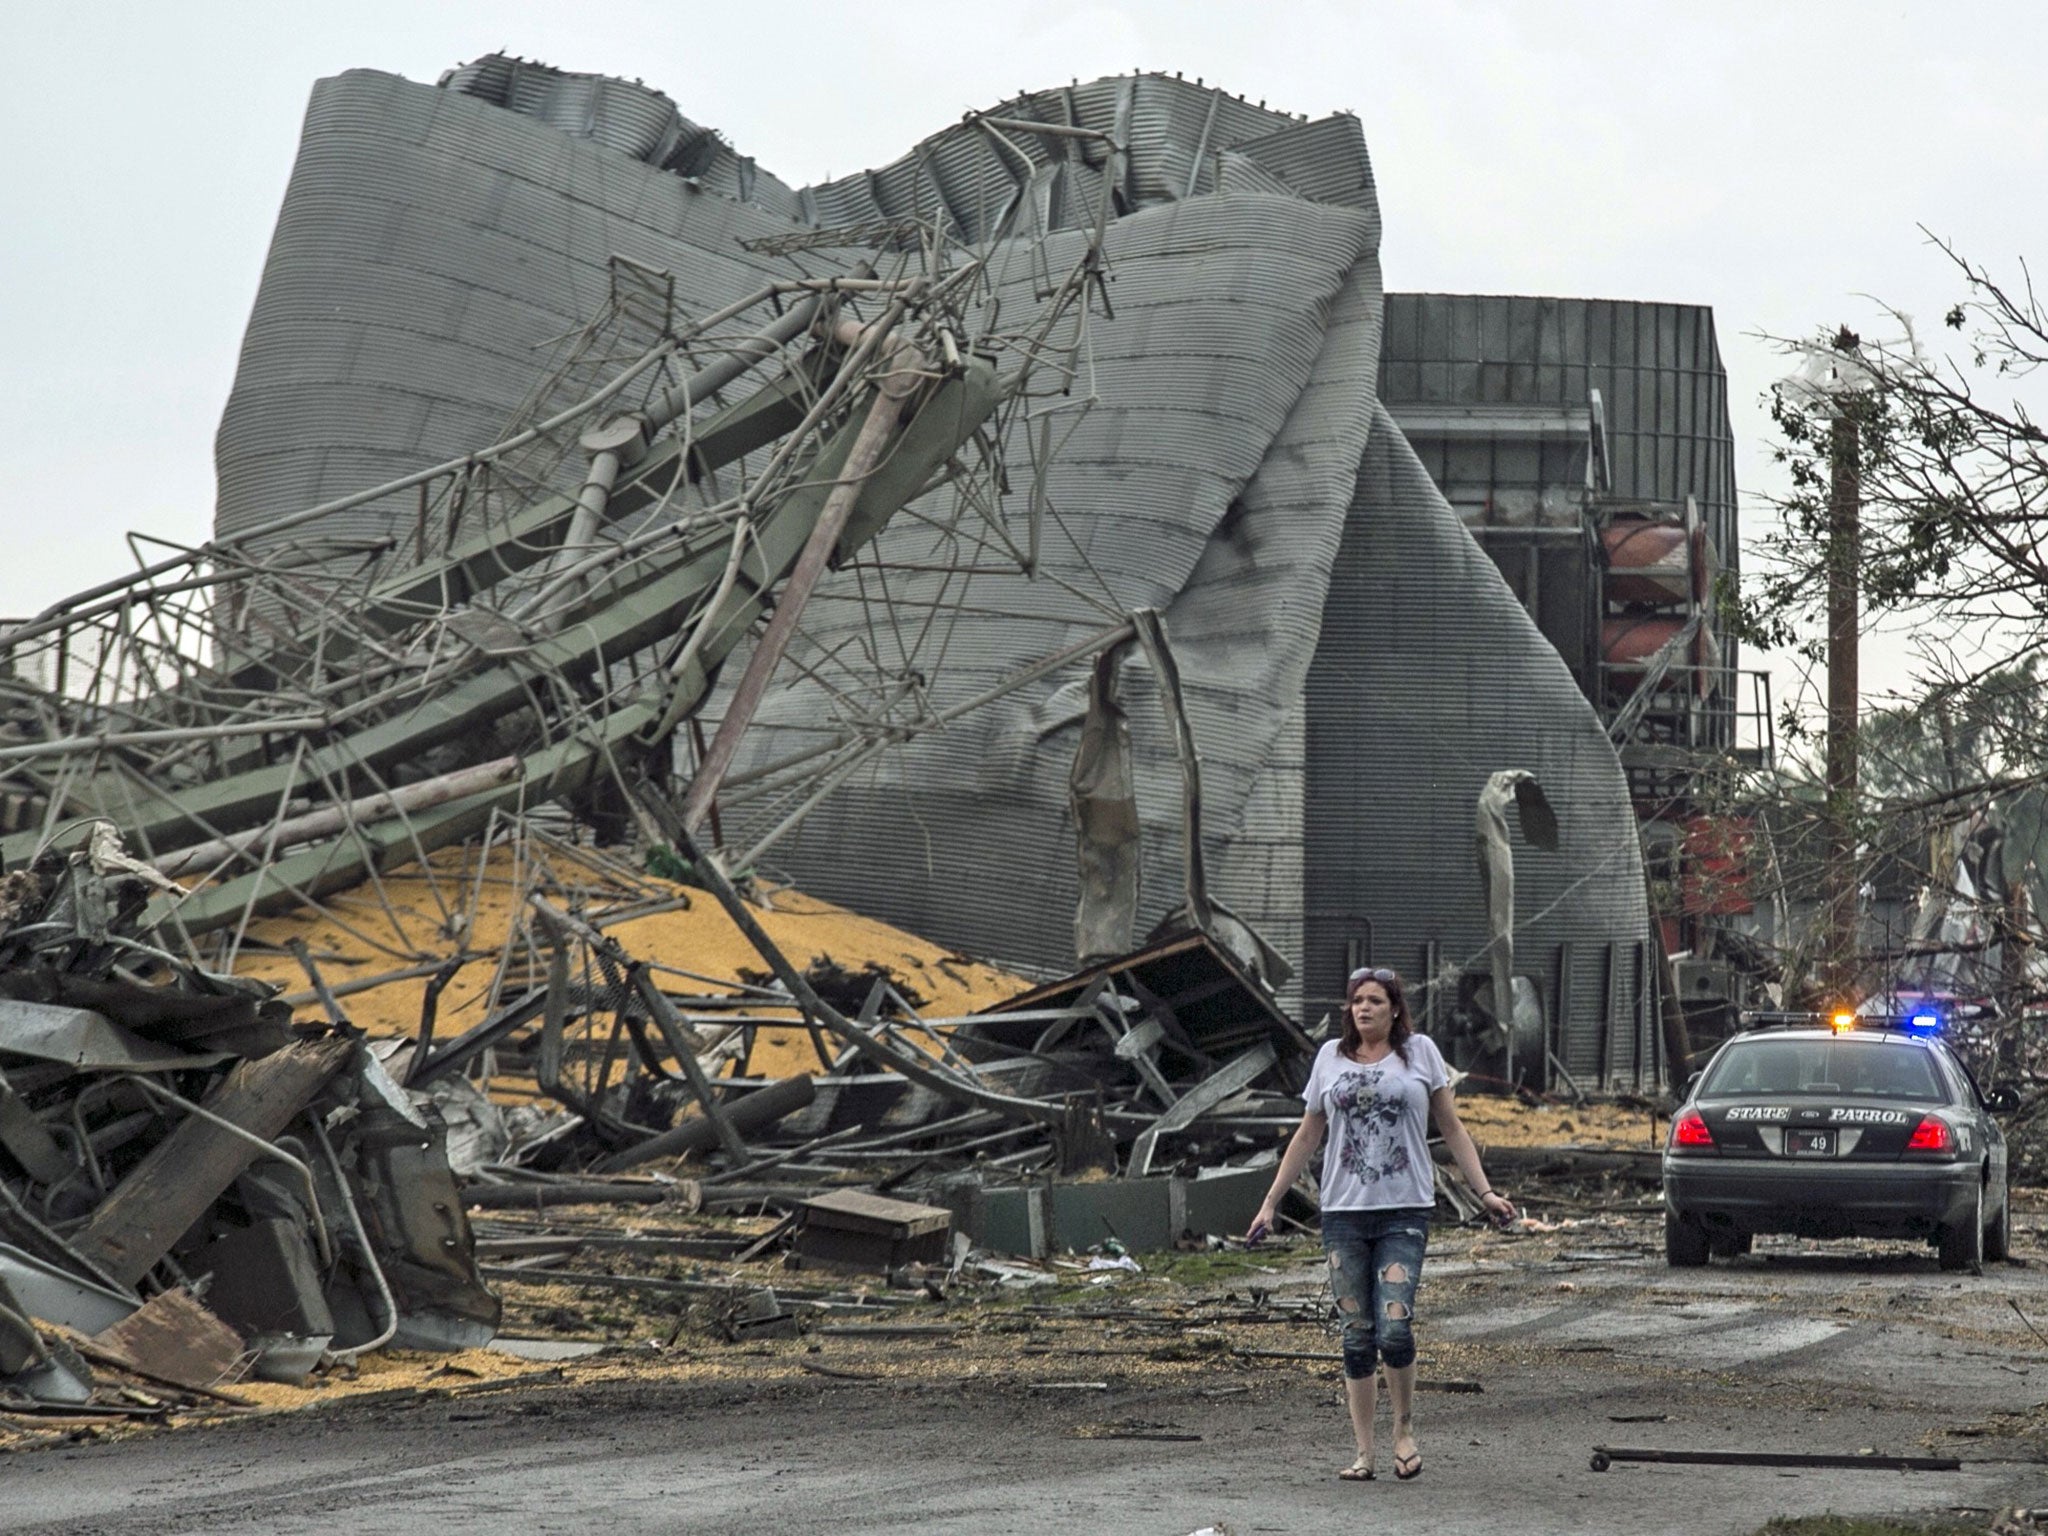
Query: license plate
1810,1143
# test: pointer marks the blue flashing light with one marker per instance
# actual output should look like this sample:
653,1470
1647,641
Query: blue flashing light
1924,1021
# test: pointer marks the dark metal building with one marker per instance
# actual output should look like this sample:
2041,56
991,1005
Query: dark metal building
1498,394
1586,443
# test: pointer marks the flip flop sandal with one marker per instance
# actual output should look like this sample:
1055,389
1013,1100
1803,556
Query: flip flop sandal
1409,1466
1360,1471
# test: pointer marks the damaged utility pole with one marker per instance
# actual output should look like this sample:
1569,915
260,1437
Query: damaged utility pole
1844,554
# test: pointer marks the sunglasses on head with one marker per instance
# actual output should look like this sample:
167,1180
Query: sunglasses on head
1378,973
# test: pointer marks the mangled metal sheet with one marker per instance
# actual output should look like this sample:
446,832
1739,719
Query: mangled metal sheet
1207,478
1220,399
431,243
1216,450
295,1179
87,1041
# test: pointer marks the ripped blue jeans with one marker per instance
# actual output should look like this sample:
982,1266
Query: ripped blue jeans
1375,1260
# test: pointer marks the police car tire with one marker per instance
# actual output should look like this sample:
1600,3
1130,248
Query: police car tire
1961,1243
1998,1236
1685,1242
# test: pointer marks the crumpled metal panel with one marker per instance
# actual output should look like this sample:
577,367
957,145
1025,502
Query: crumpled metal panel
429,239
429,248
1318,159
88,1041
1429,678
1172,131
624,115
1210,482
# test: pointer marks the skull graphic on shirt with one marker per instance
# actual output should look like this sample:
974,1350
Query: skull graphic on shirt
1367,1146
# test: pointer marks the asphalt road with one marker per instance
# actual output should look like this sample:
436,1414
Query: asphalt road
1781,1351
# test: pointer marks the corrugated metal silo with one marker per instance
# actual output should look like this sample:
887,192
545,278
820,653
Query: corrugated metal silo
1429,676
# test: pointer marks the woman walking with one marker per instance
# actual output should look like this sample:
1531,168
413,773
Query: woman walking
1372,1092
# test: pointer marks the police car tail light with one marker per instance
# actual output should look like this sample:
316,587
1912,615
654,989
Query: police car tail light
1691,1131
1931,1135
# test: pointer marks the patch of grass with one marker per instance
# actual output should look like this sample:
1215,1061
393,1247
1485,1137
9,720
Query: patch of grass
1217,1264
1867,1525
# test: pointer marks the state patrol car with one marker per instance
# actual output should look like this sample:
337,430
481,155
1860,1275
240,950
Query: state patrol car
1856,1128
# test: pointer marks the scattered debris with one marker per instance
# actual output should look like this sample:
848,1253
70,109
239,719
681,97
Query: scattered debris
173,1338
169,1135
1606,1455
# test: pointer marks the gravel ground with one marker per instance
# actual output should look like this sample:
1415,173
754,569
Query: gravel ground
1132,1407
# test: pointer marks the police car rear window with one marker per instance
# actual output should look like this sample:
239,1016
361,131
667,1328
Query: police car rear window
1832,1068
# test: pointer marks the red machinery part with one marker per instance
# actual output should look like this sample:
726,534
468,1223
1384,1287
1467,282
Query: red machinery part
1629,641
1648,562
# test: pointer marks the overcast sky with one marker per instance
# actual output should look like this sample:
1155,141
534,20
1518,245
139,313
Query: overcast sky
1775,161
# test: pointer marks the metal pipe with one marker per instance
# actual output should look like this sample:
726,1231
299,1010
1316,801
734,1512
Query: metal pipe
613,556
1055,130
681,700
776,1159
355,1221
609,444
675,401
990,126
893,390
370,808
826,784
623,440
71,609
52,1242
68,744
59,615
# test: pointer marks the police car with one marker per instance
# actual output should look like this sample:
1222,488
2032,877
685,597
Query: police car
1849,1127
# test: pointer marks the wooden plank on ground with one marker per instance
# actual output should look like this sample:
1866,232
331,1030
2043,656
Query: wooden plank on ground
856,1210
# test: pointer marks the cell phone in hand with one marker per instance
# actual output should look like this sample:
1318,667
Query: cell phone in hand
1258,1234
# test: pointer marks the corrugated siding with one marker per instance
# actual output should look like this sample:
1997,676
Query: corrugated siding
1256,868
429,239
433,238
1657,367
1210,481
1429,677
623,115
429,245
1172,131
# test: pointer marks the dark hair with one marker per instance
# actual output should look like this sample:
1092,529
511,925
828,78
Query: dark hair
1403,1026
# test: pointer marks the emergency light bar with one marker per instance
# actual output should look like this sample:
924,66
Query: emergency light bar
1921,1021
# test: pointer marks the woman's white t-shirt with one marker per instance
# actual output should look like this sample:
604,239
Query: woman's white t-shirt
1376,1150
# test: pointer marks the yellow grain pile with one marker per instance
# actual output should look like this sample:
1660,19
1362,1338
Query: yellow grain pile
461,903
1504,1122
